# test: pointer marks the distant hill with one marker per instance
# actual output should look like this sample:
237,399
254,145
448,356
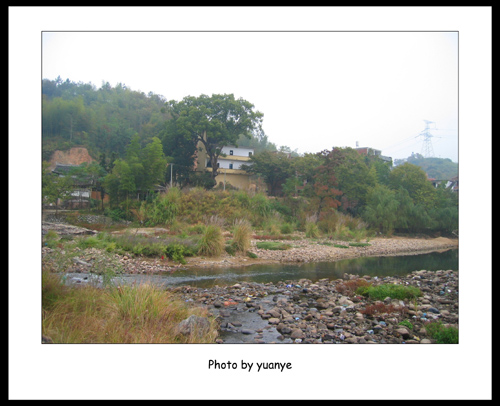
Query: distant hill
437,168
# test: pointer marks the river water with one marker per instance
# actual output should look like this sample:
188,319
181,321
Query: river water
374,266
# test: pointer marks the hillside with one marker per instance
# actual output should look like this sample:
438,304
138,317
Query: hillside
436,168
73,156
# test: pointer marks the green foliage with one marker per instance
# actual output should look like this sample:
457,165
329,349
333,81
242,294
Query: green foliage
312,230
260,205
51,239
414,180
274,167
212,242
406,323
215,121
172,247
437,168
164,209
359,244
393,291
381,209
104,119
442,334
287,228
273,245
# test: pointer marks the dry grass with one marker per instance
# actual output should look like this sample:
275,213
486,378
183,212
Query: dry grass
212,243
242,236
129,314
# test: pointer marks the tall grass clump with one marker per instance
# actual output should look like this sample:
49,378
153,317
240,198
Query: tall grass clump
212,242
242,235
312,230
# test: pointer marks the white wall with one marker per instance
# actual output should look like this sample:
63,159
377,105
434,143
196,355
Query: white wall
237,151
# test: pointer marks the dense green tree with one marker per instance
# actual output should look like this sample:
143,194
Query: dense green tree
381,209
274,167
154,164
414,180
180,152
120,183
355,178
214,121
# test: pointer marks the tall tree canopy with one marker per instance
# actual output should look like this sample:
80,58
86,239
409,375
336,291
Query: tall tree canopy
214,121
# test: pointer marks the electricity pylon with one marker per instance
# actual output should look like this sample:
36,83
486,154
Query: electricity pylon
427,150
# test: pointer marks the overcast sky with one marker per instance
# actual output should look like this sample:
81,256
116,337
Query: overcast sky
317,90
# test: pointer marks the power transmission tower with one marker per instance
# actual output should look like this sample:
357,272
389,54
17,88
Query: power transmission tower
427,150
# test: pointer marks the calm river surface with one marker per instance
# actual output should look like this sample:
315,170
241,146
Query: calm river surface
373,266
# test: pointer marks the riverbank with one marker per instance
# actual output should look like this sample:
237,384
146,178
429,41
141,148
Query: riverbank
324,250
300,250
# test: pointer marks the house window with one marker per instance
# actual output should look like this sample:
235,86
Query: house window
230,152
250,154
231,165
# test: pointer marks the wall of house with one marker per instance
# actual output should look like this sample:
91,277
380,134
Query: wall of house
225,163
239,179
237,151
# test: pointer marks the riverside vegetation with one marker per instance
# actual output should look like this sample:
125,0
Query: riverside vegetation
198,225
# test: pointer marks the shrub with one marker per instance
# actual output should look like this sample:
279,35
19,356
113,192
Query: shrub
250,254
212,242
230,249
380,292
286,228
312,230
260,205
442,334
406,323
177,252
90,242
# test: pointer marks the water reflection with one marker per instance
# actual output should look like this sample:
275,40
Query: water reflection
373,266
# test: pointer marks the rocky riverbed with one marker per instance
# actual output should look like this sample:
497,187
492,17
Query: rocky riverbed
329,311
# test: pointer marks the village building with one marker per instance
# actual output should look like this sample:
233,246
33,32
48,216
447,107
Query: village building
229,166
